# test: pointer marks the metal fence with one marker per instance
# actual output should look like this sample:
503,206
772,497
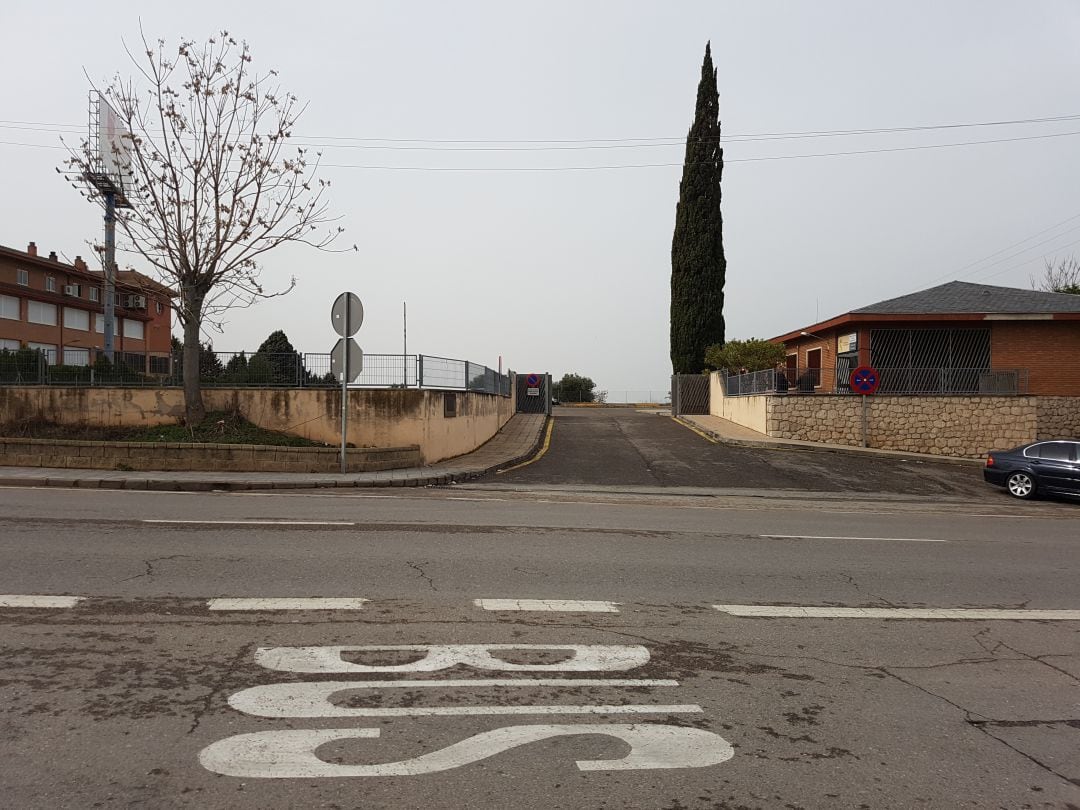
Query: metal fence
897,381
257,369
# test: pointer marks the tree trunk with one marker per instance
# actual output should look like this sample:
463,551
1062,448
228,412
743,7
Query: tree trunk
194,410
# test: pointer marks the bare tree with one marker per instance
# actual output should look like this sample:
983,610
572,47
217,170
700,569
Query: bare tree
214,182
1063,277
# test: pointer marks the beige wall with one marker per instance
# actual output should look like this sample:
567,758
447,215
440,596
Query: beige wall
749,412
377,417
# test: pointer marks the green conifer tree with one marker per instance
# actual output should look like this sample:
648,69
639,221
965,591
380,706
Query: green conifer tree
697,247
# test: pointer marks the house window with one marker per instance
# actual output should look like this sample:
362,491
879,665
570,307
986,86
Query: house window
22,277
158,308
133,329
39,312
50,284
76,357
77,319
9,345
9,307
48,348
99,323
95,294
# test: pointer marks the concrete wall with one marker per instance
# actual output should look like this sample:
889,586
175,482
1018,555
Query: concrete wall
944,425
206,457
749,412
377,417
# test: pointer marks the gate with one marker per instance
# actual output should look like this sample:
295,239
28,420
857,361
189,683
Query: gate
689,394
533,393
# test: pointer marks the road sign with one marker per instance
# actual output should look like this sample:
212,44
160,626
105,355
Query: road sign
355,314
532,381
532,392
356,358
864,380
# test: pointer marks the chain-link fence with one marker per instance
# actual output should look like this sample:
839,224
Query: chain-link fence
898,381
243,369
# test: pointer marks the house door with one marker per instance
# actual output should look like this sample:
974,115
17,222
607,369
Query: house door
845,364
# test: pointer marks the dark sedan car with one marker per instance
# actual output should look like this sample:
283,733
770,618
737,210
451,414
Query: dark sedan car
1039,467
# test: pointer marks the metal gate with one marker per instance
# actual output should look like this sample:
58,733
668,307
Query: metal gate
689,394
533,393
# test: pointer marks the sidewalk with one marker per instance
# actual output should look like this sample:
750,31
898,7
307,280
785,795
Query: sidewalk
727,432
517,441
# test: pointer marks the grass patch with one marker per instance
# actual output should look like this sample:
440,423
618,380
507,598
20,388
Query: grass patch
219,427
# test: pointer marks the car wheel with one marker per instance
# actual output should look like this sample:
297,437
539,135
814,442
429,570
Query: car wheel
1021,485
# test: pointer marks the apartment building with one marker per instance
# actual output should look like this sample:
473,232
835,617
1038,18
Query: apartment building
57,308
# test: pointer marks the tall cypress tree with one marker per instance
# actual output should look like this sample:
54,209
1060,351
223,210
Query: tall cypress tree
697,248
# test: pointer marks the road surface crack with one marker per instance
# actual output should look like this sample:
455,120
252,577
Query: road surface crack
1039,659
208,701
418,568
859,589
150,571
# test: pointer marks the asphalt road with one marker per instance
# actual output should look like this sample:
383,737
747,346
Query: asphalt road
625,447
644,695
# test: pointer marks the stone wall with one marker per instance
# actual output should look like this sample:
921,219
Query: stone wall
209,457
949,426
1058,417
377,417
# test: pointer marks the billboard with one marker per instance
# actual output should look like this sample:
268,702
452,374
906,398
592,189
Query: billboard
110,142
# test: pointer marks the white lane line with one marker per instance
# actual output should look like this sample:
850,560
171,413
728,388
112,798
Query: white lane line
270,707
563,605
809,612
828,537
286,603
15,600
255,522
314,699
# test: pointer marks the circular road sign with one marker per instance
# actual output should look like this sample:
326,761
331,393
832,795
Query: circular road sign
356,314
864,380
532,380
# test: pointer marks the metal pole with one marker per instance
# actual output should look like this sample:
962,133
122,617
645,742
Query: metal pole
345,383
404,345
864,410
110,273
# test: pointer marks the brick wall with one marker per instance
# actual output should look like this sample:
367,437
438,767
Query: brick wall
1050,350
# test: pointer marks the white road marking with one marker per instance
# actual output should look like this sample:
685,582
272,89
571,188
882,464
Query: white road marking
563,605
313,699
469,711
584,658
291,754
14,600
286,603
254,522
826,537
809,612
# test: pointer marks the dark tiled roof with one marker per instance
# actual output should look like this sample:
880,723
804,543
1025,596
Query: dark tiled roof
963,297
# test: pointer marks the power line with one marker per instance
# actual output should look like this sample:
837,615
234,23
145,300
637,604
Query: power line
595,143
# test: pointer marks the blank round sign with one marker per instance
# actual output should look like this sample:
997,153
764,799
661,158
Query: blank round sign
356,315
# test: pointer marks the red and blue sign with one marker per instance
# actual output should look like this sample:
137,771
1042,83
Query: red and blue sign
532,380
864,380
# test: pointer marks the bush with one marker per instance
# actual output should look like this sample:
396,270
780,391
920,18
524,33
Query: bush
752,354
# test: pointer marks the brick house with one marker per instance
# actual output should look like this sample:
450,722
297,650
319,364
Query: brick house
56,307
957,338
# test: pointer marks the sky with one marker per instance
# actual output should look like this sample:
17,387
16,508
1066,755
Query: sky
439,121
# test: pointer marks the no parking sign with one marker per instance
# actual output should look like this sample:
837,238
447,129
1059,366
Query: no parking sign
864,380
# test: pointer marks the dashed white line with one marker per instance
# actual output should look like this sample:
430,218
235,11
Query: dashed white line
810,612
286,603
561,605
829,537
13,600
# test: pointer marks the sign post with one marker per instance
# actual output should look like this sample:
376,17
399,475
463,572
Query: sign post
346,315
864,381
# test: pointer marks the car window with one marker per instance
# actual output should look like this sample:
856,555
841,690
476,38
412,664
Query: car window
1056,451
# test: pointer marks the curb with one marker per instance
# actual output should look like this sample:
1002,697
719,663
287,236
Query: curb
832,448
441,478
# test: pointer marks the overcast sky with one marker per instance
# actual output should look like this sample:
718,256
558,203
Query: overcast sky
568,270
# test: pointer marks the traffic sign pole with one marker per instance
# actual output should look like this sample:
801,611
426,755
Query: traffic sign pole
864,381
345,386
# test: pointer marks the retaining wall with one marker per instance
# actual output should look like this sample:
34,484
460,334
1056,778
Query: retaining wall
441,424
963,426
